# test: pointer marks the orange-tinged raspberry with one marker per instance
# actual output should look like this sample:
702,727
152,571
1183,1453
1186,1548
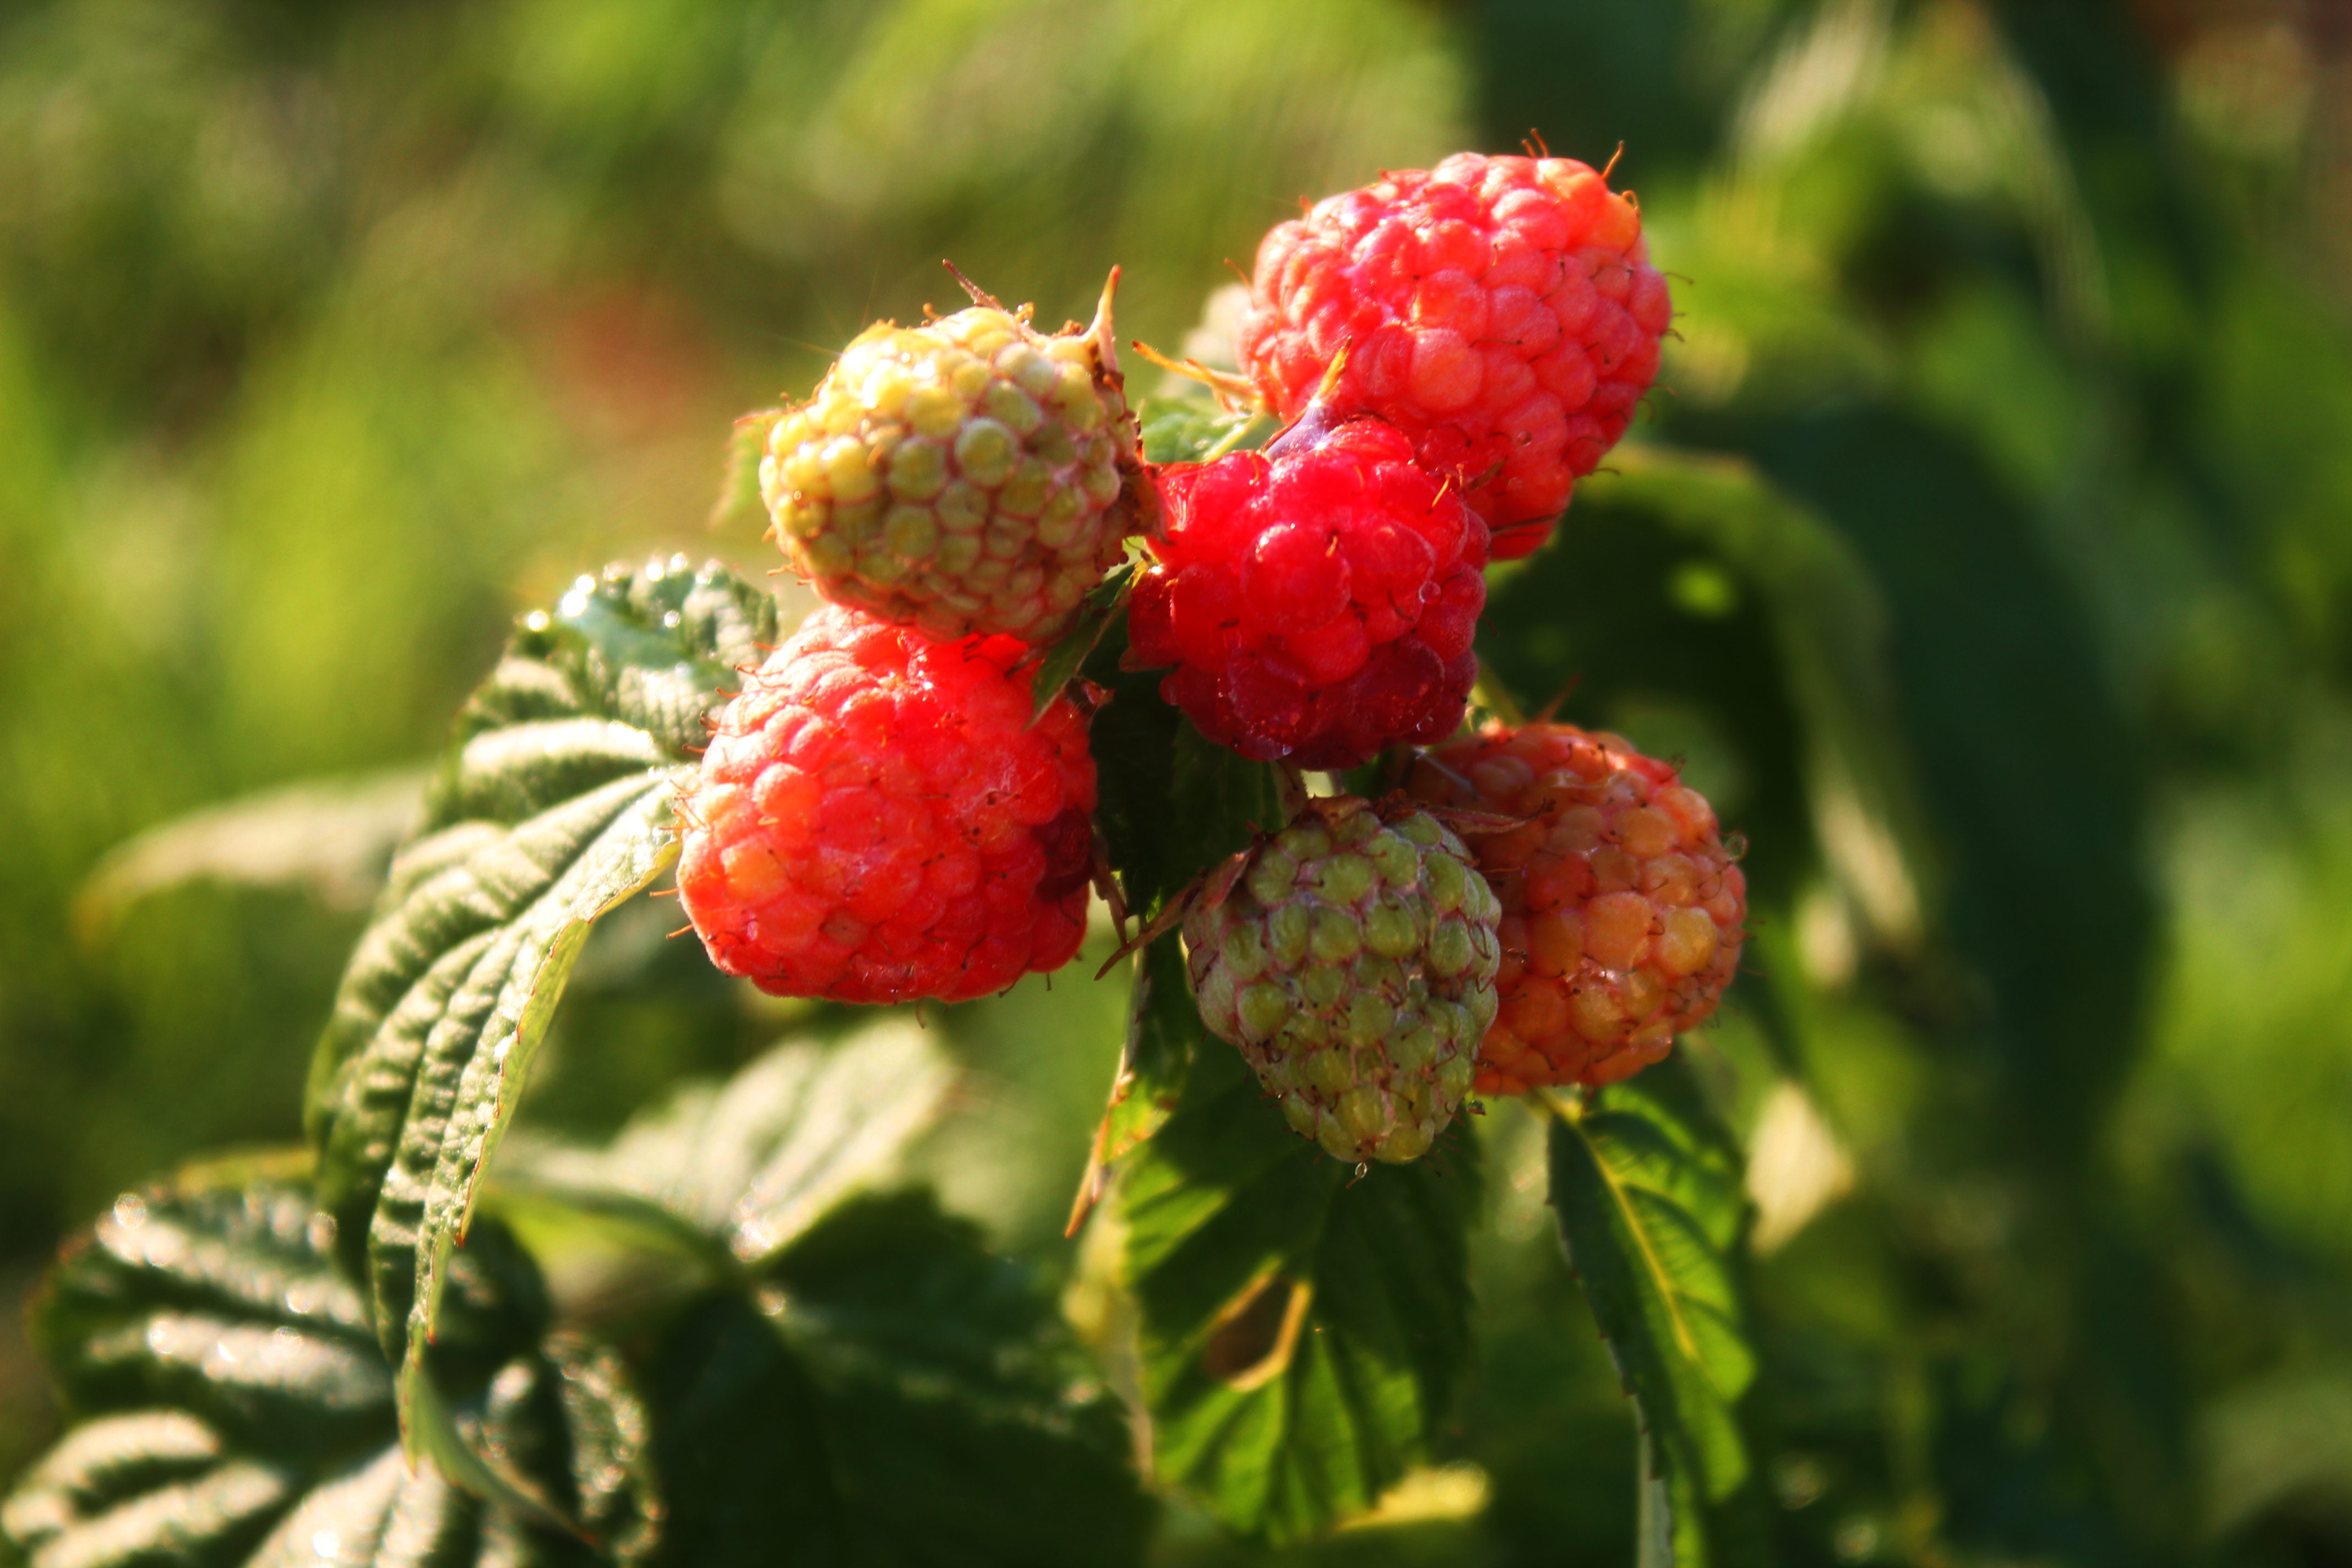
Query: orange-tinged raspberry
1502,311
1622,906
967,474
876,819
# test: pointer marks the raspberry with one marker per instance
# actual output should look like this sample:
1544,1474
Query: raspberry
1318,599
1352,957
877,820
1621,907
967,475
1502,311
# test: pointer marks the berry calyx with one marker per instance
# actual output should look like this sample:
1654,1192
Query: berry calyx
1352,957
877,820
1623,908
967,474
1318,599
1501,312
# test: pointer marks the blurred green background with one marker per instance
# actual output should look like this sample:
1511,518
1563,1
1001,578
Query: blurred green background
331,336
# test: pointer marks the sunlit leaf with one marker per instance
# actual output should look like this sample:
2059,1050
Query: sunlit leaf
230,1405
554,806
1304,1332
1101,606
330,839
1648,1194
751,1165
1194,429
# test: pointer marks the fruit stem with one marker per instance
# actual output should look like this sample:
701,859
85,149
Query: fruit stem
1491,694
1293,785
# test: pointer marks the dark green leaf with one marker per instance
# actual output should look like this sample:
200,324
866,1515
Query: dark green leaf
554,806
1194,429
1647,1190
1163,1031
231,1405
891,1395
1102,605
1170,803
1303,1332
1997,660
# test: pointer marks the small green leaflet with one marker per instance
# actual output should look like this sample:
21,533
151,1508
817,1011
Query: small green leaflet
230,1405
1647,1190
1195,430
552,807
1163,1031
1104,603
1302,1332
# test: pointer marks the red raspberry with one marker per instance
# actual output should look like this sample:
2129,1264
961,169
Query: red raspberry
1501,312
1316,599
876,819
1621,908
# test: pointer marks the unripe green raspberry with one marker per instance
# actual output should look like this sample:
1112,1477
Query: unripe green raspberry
1352,957
967,474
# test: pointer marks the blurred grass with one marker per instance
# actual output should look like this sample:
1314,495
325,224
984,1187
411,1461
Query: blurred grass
331,336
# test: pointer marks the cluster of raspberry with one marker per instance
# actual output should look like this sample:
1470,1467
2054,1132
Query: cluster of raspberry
884,816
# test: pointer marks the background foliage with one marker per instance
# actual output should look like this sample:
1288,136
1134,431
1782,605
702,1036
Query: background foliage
1989,562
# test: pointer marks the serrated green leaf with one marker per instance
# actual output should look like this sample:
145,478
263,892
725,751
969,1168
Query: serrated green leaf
554,806
231,1404
1195,430
1302,1332
1170,803
1647,1190
892,1393
1103,605
748,1166
1164,1032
